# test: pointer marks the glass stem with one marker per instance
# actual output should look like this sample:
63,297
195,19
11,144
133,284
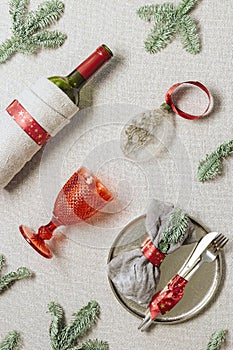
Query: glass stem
46,232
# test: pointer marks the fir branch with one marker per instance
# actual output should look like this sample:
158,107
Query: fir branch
189,37
82,321
92,345
65,337
209,168
57,313
156,12
7,280
48,13
168,21
29,34
158,39
175,232
48,39
2,262
18,10
7,49
165,13
212,165
185,6
12,341
147,12
216,340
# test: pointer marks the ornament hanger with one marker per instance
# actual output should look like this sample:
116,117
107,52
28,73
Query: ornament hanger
173,89
148,132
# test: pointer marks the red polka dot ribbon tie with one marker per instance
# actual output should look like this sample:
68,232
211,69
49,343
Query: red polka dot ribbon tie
170,101
24,119
152,253
165,300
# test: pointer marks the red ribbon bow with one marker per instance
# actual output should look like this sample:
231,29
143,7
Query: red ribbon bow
165,300
169,100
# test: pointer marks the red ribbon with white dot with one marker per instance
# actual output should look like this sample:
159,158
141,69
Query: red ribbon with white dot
170,102
24,119
153,254
165,300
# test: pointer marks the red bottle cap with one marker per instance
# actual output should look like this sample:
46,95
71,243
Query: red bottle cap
88,67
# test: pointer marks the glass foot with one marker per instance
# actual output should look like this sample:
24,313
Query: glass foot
36,242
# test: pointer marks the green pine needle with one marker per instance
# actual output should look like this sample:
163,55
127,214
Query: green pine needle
177,226
12,341
57,313
186,5
48,39
212,165
92,345
28,28
216,340
189,37
7,280
158,13
2,262
158,39
169,21
64,337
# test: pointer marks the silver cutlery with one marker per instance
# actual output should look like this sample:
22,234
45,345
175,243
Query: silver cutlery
206,250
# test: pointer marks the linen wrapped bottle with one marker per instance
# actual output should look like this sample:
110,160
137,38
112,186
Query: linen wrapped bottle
40,112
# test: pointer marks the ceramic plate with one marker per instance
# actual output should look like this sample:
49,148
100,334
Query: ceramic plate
200,290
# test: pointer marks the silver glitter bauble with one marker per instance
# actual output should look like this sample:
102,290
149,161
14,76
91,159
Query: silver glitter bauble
145,135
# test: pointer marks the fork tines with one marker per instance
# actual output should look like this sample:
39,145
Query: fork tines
219,242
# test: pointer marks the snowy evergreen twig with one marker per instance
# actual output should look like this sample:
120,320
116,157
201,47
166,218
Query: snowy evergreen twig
28,28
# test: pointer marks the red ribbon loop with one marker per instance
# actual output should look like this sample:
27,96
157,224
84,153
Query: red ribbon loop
169,101
152,253
24,119
165,300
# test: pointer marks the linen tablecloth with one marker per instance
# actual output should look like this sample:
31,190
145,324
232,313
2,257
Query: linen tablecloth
132,82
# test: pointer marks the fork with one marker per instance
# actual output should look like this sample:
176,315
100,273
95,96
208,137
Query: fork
206,250
209,255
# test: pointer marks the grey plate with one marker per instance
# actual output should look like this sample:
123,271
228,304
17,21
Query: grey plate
199,291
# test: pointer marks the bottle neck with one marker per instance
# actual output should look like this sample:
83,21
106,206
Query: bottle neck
79,76
72,83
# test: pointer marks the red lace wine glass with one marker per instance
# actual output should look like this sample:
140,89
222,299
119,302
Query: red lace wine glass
81,197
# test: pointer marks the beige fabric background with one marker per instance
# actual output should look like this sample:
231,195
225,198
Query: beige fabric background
133,81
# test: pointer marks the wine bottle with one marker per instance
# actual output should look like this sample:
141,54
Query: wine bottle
72,83
40,111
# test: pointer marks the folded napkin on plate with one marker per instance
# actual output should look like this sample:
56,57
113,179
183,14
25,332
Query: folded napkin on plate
136,273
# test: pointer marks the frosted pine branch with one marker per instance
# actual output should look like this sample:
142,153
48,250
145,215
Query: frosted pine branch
28,29
48,39
216,340
147,12
57,313
12,341
189,36
156,12
92,345
185,6
168,21
18,10
212,165
82,321
7,280
175,232
65,337
2,262
47,14
158,39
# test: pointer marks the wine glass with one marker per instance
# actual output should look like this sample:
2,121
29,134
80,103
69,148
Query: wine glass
81,197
